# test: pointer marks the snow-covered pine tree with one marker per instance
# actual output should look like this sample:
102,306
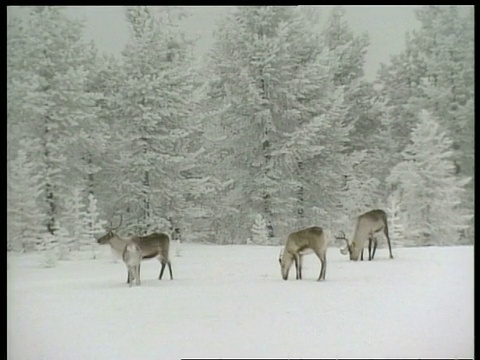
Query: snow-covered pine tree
396,227
197,215
25,225
51,101
222,204
347,51
75,219
430,191
435,72
360,183
18,88
312,15
449,86
400,91
360,193
152,131
64,241
95,225
88,146
248,59
446,41
201,177
259,232
385,149
105,78
272,79
321,146
50,247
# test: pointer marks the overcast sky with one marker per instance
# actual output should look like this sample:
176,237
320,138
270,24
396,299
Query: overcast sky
385,24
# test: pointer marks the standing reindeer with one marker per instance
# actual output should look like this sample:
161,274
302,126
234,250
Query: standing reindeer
132,257
368,224
307,241
154,245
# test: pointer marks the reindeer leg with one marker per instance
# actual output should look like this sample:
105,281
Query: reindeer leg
375,243
361,256
170,270
130,276
323,268
370,248
297,265
161,270
385,230
296,268
137,273
300,265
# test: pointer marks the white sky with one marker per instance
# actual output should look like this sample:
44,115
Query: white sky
386,26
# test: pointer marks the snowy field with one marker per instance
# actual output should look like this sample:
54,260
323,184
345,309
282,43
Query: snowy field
230,301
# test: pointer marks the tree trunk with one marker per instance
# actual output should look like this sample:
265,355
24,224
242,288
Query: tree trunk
146,199
49,187
300,192
90,178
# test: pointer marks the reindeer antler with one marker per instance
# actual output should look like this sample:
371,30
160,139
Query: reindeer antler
343,251
343,237
112,228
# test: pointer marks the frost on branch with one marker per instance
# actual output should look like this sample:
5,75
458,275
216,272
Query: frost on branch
430,190
396,228
259,231
95,225
50,246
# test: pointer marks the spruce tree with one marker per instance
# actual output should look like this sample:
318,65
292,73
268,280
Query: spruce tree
259,232
276,102
48,66
430,191
152,135
95,225
435,72
26,218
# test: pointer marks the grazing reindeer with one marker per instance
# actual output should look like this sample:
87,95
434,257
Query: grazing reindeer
368,224
348,247
307,241
132,257
154,245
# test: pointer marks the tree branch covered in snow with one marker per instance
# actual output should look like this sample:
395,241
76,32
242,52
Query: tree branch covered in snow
276,123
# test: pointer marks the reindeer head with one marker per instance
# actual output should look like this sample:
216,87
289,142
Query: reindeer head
105,239
286,260
354,251
349,247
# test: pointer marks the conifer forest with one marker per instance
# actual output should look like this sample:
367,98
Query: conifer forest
273,130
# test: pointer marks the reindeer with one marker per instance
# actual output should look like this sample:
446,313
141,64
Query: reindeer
155,245
368,224
348,247
132,257
303,242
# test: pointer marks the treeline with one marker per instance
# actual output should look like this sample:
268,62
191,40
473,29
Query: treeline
276,126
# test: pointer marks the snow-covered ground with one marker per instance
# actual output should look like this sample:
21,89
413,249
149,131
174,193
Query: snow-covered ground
230,301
